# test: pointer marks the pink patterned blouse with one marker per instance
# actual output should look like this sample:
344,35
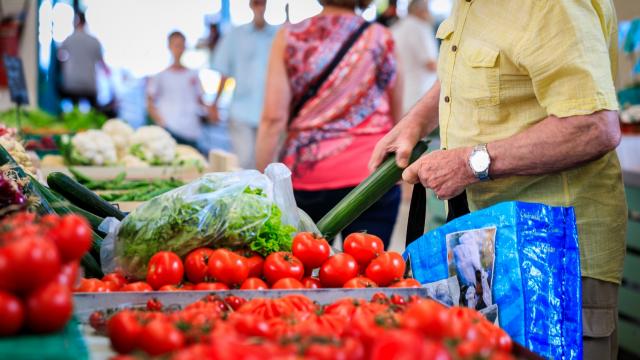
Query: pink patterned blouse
330,141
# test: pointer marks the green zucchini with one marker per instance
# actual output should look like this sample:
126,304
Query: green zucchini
82,197
366,194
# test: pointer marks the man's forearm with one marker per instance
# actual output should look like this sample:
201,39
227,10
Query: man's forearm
555,144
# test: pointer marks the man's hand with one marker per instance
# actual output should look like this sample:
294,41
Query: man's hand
446,172
401,140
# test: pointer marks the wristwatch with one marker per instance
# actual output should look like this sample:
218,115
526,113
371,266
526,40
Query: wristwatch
479,162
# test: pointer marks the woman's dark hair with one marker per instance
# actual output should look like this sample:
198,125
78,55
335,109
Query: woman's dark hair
176,34
351,4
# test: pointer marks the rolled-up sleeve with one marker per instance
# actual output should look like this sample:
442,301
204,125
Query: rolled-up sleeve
568,57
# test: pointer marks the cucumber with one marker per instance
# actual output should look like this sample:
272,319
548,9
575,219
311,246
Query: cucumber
82,197
366,194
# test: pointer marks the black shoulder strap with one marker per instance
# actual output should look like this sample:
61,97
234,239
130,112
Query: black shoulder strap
317,83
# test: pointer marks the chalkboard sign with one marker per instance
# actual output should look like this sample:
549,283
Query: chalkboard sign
15,77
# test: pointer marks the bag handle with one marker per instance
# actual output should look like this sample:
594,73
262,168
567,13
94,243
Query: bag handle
317,83
458,206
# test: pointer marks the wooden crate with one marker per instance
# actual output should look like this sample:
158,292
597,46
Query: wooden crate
629,297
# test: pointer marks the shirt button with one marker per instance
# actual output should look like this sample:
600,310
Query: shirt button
454,48
447,99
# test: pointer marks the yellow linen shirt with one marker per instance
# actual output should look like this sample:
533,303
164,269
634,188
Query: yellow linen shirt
506,65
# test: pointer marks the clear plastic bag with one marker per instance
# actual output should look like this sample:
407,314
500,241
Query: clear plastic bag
244,209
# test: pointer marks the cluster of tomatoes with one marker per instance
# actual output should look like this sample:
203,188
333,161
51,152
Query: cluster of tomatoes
364,263
39,264
294,327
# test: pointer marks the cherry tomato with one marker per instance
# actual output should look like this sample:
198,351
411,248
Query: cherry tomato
187,286
6,271
98,321
154,304
36,254
406,283
117,279
311,283
160,337
287,283
386,268
312,250
253,283
228,267
11,313
124,331
428,317
211,286
49,308
359,283
255,262
137,286
165,268
279,265
398,300
68,275
234,301
363,247
73,236
196,264
337,270
91,285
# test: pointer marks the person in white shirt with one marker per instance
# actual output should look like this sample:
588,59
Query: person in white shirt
174,97
417,52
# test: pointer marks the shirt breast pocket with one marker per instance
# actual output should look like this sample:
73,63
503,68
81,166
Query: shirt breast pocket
480,80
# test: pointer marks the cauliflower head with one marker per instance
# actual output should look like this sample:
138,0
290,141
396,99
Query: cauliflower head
188,156
120,132
153,145
93,147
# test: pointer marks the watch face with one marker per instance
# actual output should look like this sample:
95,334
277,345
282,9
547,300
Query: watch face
479,161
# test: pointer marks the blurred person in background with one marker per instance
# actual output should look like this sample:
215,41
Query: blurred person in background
417,52
174,97
390,16
79,55
211,41
332,135
243,55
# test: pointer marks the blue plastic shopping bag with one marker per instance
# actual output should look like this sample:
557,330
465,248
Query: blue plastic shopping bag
519,264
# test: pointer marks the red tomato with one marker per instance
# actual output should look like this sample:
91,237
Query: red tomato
402,344
228,267
428,317
91,285
337,270
68,275
11,313
279,265
250,325
211,286
255,262
137,286
124,331
312,250
160,337
154,304
311,283
253,283
6,271
73,236
117,279
359,283
98,321
386,268
196,264
363,247
406,283
36,254
165,268
49,308
187,286
234,301
287,283
170,288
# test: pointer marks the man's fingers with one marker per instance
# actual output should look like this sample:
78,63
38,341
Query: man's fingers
410,174
377,156
403,153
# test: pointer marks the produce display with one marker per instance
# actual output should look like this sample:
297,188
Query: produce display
365,264
294,327
39,263
119,189
10,142
36,121
117,143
